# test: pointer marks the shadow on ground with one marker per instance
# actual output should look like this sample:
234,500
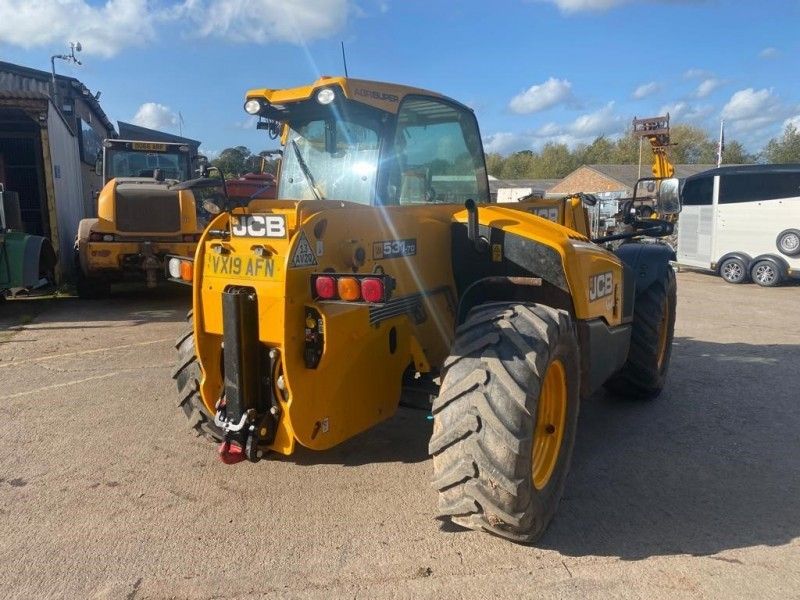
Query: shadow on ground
711,465
129,304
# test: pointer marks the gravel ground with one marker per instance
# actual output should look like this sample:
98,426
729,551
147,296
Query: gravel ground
104,493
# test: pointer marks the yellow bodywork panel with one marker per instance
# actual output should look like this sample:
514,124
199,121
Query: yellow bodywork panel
383,96
96,256
367,348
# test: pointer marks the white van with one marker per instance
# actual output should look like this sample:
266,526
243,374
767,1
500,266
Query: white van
743,223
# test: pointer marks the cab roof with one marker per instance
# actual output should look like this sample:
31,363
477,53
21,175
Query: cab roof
383,96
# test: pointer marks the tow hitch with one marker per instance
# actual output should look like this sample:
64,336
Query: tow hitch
248,411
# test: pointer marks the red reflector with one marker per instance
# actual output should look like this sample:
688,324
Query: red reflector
372,289
325,287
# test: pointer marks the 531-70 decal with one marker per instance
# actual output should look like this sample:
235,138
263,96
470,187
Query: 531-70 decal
394,249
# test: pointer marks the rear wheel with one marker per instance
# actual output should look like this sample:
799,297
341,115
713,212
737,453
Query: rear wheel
187,376
505,418
643,374
766,274
733,270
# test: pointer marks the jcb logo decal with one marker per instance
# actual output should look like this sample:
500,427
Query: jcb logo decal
600,285
271,226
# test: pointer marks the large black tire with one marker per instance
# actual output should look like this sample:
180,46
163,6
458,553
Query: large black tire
645,370
90,288
486,417
187,377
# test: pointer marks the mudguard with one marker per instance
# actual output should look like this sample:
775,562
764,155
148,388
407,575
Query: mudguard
24,259
645,264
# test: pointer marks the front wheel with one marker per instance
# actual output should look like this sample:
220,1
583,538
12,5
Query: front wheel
645,370
505,419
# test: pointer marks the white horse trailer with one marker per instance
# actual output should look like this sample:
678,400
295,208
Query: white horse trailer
742,223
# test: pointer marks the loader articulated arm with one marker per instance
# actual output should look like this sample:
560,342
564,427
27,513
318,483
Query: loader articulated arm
656,131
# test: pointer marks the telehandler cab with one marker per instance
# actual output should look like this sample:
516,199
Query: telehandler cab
381,266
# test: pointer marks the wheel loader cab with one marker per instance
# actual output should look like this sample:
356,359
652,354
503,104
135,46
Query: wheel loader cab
381,265
140,218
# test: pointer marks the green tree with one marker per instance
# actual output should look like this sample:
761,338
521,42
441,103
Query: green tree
494,164
785,149
233,162
599,152
735,154
519,165
554,161
691,145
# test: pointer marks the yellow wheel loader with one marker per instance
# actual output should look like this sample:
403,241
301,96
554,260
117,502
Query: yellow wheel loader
140,218
382,267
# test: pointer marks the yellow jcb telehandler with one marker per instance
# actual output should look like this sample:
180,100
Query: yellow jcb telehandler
382,266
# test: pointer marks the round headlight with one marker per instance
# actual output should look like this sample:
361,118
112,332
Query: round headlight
326,96
252,107
211,207
174,267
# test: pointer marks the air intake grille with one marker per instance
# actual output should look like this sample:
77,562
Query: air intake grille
145,208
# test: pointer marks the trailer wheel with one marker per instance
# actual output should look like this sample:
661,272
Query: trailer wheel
766,273
733,270
788,242
643,374
187,377
505,418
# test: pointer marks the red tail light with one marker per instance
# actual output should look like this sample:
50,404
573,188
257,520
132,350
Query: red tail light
372,289
325,287
95,237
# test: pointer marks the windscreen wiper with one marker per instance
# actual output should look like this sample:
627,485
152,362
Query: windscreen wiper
304,167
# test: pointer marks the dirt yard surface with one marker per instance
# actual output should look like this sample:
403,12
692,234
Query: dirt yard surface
104,492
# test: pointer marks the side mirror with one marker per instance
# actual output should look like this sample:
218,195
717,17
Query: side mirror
669,200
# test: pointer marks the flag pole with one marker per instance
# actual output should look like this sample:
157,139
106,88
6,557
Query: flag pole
721,146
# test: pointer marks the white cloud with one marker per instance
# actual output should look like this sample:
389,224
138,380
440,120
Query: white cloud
541,97
769,52
750,109
793,121
102,30
695,73
267,21
584,128
683,112
645,90
707,87
755,116
573,6
155,116
505,142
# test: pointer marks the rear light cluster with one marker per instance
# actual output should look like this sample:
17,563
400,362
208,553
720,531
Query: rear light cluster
96,236
180,269
374,289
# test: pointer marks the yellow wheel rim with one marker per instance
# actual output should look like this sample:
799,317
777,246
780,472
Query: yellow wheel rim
551,417
662,336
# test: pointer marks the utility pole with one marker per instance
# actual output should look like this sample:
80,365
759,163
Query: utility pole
73,48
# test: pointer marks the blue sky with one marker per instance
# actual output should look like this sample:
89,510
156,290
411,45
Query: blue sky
533,70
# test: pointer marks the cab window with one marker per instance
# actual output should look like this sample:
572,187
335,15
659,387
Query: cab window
437,155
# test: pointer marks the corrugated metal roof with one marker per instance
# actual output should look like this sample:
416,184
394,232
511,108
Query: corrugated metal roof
22,95
129,131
